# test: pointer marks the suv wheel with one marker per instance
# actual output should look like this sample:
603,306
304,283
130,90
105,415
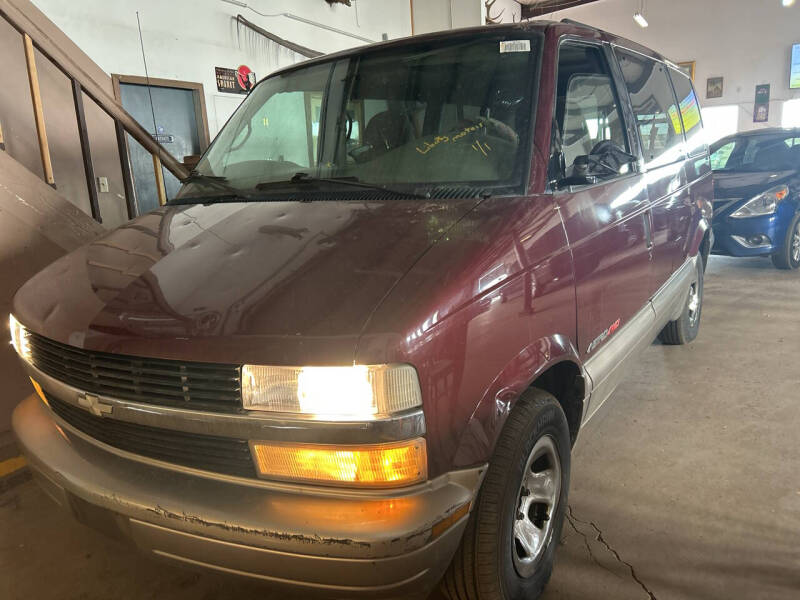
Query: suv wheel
511,538
684,329
788,257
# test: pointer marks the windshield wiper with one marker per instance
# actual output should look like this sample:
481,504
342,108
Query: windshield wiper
220,183
305,178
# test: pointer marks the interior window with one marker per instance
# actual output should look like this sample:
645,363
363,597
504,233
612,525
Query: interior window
589,134
690,112
657,114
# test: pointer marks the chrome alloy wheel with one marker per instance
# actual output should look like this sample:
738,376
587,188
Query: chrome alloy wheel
796,244
694,303
539,494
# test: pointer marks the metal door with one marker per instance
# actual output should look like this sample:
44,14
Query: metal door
172,121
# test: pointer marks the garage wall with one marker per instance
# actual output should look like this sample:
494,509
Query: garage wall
186,39
745,41
438,15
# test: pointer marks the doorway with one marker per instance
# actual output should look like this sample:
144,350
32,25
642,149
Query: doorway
174,113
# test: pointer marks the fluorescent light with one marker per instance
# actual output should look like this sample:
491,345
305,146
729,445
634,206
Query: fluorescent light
788,2
639,18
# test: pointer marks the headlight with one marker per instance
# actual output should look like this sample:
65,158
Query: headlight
19,338
763,204
359,392
380,465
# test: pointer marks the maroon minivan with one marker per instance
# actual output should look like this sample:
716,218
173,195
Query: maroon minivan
352,355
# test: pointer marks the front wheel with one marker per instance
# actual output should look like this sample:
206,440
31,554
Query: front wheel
788,257
511,538
684,329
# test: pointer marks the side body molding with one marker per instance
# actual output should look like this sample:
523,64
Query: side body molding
611,363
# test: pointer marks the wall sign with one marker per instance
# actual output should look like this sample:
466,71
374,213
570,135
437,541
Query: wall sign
761,109
235,81
163,138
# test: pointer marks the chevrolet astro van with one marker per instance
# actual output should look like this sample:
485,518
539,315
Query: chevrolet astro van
352,355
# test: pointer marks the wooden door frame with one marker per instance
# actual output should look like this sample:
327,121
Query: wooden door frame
198,94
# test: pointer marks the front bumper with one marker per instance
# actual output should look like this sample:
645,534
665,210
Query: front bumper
727,230
334,543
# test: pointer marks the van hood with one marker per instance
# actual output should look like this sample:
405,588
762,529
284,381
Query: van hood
236,282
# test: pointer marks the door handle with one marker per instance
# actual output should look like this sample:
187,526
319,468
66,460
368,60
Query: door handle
648,230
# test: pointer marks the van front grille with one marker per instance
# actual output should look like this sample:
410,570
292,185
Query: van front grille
207,452
198,386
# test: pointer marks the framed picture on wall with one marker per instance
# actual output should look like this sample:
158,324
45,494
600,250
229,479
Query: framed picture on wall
714,87
688,68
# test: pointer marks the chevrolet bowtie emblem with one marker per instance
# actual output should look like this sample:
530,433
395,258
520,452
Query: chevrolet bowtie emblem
93,405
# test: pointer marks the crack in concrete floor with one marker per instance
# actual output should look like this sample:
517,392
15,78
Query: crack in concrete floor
572,519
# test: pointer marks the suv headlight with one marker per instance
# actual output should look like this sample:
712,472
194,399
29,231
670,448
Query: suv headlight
355,393
19,338
763,204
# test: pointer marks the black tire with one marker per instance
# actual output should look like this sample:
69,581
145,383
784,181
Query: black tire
786,257
685,328
484,567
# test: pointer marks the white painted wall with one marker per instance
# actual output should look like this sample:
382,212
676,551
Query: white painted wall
186,39
748,42
439,15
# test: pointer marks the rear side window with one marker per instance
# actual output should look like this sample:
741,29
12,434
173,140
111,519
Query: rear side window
690,113
657,114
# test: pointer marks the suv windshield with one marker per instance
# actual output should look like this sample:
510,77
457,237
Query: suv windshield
454,112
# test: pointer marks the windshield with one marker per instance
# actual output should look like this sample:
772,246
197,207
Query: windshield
440,113
758,153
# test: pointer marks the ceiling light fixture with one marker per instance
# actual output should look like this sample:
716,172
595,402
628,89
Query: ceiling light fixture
638,16
787,3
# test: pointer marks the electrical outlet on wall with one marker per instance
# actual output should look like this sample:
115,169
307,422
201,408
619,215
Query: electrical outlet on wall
102,184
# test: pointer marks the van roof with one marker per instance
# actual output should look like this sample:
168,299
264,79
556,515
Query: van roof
566,26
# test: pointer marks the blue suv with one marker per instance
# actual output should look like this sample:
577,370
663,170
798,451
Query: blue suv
757,195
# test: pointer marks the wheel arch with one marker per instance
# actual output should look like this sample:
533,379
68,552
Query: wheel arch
551,364
566,382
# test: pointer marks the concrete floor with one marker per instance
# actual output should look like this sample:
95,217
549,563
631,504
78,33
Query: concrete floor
685,484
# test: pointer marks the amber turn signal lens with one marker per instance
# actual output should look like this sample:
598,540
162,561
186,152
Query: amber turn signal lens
39,390
384,465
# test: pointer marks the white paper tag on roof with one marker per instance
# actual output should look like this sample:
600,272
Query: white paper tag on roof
515,46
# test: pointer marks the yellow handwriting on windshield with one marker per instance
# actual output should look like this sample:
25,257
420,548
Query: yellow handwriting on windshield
467,130
445,139
484,148
428,146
